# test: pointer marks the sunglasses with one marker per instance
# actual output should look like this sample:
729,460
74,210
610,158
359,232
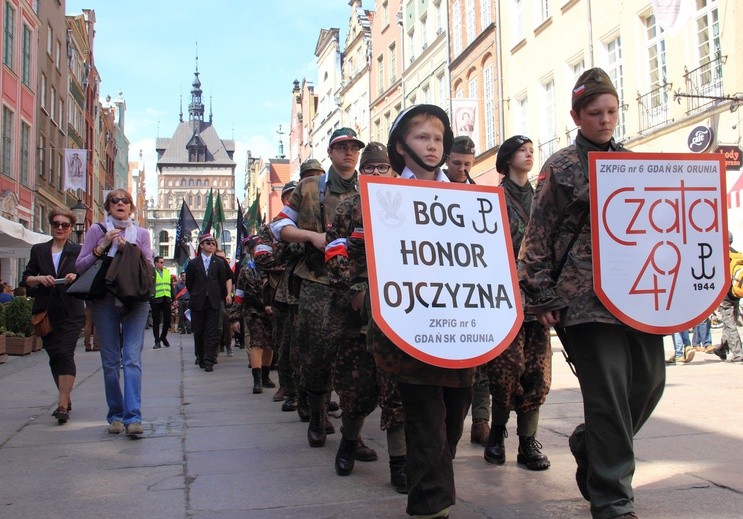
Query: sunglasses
61,225
116,200
369,168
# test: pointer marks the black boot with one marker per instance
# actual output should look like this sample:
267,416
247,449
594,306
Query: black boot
530,454
290,404
398,478
257,381
344,458
316,430
303,406
363,453
267,382
495,451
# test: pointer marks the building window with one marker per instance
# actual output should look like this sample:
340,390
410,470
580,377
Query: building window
183,182
52,103
40,166
614,70
58,54
469,16
488,94
49,39
60,169
23,166
548,134
7,141
442,90
380,74
385,14
43,92
52,176
487,13
521,115
544,10
206,183
163,236
393,63
9,35
708,41
190,182
26,57
517,22
578,68
456,26
60,109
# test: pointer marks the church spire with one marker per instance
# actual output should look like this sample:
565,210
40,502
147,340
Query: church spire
196,107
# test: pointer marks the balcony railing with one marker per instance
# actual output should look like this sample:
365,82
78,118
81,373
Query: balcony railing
653,107
704,83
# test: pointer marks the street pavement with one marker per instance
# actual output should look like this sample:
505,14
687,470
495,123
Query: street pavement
212,449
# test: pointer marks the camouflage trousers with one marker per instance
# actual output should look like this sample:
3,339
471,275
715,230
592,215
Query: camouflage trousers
360,386
260,330
316,352
285,320
521,376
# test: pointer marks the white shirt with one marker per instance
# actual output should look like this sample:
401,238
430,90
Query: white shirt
206,259
440,175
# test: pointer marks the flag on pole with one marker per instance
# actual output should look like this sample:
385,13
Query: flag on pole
74,168
185,226
206,225
218,219
242,232
253,218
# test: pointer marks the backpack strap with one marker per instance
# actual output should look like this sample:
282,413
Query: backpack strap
322,185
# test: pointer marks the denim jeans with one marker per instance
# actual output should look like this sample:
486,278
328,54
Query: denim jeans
680,340
703,333
109,319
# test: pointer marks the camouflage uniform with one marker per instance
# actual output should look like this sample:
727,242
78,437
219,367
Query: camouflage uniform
357,381
304,211
278,259
251,298
621,370
520,376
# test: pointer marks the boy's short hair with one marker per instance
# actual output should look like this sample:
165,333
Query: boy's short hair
401,127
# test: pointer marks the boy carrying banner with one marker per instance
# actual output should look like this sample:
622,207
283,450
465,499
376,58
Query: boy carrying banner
621,370
435,399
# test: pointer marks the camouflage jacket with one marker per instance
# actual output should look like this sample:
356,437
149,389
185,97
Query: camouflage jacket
345,257
561,197
304,211
278,259
517,223
250,294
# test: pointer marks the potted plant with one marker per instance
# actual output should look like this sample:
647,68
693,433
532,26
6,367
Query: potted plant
19,337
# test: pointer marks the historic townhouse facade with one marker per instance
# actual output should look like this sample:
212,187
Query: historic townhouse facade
474,71
354,91
385,75
329,76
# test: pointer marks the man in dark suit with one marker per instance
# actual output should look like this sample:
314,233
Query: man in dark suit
206,281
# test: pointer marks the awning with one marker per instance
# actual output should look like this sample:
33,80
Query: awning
16,240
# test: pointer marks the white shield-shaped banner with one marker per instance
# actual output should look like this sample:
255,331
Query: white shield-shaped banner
660,239
441,269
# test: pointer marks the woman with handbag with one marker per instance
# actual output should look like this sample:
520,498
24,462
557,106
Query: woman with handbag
111,314
50,261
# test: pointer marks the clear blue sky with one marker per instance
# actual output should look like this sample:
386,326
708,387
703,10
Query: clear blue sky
250,52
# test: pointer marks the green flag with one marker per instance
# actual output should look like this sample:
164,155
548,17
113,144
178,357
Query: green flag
218,219
253,218
206,226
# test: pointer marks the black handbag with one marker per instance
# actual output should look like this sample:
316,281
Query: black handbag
91,284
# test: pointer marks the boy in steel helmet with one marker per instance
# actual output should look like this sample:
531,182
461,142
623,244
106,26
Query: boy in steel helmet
435,400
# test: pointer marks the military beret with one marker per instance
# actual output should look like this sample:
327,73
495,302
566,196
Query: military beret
506,151
463,144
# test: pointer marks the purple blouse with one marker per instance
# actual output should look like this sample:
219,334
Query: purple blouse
95,237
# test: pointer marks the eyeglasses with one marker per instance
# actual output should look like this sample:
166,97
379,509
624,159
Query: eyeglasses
345,148
116,200
369,168
209,242
61,225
